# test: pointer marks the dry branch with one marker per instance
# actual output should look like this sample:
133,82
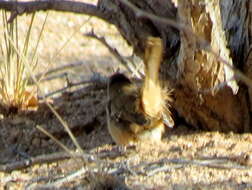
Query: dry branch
19,8
115,53
37,160
58,156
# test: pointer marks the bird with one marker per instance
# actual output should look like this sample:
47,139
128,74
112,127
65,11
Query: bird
139,112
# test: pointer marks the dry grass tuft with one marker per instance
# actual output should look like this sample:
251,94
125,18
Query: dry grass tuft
15,53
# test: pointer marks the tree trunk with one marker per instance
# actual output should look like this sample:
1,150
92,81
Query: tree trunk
200,98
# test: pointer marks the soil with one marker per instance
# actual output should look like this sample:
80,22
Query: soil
185,159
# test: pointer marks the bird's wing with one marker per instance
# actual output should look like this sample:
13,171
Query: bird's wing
126,107
133,112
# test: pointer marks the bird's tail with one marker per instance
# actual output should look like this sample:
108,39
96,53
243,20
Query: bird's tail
154,97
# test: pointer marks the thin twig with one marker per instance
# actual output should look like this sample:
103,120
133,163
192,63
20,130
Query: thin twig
115,53
54,70
52,157
73,176
53,77
55,140
163,168
59,50
97,80
71,85
211,163
32,161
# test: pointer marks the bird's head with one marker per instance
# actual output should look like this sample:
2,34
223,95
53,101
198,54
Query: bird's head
119,78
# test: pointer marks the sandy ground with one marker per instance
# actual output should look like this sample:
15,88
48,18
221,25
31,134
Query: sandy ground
185,159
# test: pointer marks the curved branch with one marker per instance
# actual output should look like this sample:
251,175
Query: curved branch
21,7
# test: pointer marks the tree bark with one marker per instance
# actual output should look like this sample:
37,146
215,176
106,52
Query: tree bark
197,35
201,73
